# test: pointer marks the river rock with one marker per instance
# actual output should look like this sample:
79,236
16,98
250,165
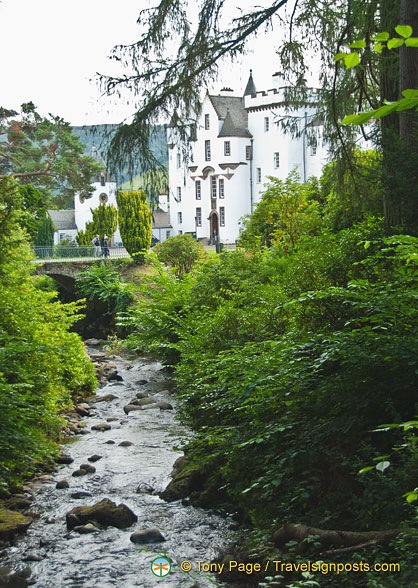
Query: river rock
102,427
145,401
112,419
61,484
80,494
165,406
142,394
105,512
83,411
85,529
131,407
79,473
12,523
110,442
144,488
113,376
88,467
94,458
141,382
154,405
33,557
125,444
185,480
19,579
147,536
93,342
105,398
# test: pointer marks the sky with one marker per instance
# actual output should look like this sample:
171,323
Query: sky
51,51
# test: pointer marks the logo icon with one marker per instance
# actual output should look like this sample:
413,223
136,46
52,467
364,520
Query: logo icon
161,566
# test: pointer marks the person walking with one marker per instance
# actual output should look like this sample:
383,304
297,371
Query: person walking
96,243
105,246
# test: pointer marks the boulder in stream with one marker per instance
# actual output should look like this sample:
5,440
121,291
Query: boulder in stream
88,467
94,458
12,523
79,473
101,427
64,459
125,444
164,406
105,512
10,579
61,484
131,407
152,535
85,529
144,488
105,398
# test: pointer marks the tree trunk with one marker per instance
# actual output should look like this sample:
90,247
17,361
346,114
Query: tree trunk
389,90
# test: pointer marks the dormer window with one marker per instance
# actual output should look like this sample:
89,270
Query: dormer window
102,180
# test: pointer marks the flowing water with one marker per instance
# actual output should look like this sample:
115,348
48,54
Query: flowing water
107,558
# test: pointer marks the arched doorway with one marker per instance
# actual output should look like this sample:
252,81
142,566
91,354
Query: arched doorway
214,226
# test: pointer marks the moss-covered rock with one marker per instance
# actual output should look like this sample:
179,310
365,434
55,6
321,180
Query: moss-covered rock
105,512
12,523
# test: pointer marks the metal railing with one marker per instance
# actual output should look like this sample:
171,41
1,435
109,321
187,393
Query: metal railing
75,253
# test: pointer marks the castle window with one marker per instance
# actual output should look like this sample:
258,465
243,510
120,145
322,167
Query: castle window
207,122
178,159
266,124
207,150
178,194
259,175
221,188
198,217
248,152
213,187
198,190
277,160
180,217
222,216
102,181
227,148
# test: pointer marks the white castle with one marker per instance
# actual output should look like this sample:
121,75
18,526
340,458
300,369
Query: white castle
239,141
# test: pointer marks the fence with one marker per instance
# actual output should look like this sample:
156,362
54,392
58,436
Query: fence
75,253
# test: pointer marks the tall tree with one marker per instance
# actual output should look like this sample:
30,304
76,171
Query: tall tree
42,151
135,223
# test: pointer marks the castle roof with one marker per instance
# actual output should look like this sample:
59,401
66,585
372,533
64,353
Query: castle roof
63,219
231,110
250,87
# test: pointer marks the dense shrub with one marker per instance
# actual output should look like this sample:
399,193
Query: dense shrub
180,252
135,223
42,365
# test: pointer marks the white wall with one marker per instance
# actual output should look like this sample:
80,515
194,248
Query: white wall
83,209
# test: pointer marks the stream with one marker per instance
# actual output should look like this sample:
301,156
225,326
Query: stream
107,558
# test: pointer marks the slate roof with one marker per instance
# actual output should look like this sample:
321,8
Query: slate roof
160,219
250,87
63,219
237,121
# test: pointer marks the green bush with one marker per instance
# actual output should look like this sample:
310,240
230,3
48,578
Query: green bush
181,253
42,365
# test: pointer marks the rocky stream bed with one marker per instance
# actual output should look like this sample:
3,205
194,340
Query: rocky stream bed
122,454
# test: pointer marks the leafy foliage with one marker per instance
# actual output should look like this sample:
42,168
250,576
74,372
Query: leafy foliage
42,365
181,252
43,152
286,211
135,223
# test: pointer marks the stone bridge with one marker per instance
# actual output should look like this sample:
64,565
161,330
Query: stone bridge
63,272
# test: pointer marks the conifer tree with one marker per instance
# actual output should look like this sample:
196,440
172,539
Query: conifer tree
135,223
45,234
105,220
